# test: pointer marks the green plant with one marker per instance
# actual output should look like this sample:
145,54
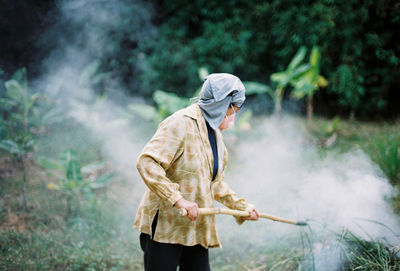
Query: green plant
307,83
348,85
385,151
24,110
330,127
23,119
91,74
17,137
19,100
368,255
76,181
19,148
256,88
282,79
167,103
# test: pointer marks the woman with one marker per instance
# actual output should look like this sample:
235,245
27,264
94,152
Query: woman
183,167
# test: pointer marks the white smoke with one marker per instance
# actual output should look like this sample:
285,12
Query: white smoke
86,31
280,170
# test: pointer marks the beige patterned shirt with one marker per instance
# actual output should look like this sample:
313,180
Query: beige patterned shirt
178,162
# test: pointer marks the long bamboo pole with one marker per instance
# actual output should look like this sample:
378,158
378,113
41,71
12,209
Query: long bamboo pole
218,211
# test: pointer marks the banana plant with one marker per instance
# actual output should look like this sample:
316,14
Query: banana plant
74,180
309,82
256,88
19,99
167,103
23,120
284,78
17,139
27,111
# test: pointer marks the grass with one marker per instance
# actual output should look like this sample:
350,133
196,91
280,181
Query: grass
368,255
44,239
385,151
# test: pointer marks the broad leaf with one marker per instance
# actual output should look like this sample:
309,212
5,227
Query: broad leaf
298,58
10,146
21,77
7,104
89,71
97,78
256,88
146,112
315,57
280,78
300,71
69,160
169,102
302,88
14,90
92,167
102,181
54,115
48,164
74,171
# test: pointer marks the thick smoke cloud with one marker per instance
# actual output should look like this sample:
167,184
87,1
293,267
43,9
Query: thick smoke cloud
283,171
280,170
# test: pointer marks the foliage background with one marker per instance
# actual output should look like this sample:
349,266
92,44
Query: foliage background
162,44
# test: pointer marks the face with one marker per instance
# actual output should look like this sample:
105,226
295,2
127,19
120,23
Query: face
229,119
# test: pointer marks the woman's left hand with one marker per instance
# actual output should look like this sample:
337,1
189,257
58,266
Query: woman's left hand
253,215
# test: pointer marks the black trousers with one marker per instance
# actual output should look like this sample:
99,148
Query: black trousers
167,257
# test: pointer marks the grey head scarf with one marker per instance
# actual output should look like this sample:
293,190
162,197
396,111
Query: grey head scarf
218,92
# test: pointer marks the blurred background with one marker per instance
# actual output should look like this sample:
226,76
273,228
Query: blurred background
84,84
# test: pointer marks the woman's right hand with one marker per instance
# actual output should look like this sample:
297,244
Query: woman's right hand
191,207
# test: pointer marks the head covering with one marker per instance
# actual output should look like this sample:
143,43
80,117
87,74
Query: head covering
218,92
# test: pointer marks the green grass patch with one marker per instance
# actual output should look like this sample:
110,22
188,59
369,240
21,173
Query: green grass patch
368,255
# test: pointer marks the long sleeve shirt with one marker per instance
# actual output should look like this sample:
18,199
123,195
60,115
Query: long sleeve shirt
178,163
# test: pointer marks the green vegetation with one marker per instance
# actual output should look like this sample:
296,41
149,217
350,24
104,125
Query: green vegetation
99,236
72,184
368,255
386,153
284,78
23,121
98,239
162,44
59,215
308,83
254,39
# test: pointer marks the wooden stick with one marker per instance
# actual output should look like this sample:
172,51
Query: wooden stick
218,211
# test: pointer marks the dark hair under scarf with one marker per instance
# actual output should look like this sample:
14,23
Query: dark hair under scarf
218,92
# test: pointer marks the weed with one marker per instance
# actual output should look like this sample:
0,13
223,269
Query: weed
368,255
385,151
